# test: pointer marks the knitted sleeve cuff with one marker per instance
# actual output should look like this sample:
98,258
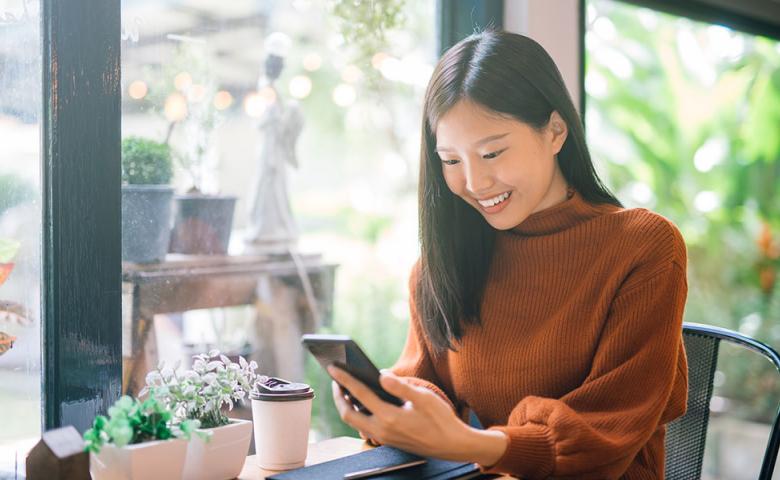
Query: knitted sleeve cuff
419,382
529,454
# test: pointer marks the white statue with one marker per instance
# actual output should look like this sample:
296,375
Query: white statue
271,227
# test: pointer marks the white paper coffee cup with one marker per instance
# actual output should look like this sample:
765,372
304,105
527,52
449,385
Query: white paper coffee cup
281,412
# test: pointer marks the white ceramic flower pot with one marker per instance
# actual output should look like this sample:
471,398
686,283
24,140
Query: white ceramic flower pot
142,461
223,456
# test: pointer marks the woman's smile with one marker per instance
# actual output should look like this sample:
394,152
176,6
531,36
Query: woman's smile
495,204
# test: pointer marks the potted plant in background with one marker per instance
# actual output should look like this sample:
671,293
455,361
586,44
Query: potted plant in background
10,312
138,440
200,394
147,169
202,220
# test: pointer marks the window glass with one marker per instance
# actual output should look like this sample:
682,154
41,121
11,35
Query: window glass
293,129
20,231
682,117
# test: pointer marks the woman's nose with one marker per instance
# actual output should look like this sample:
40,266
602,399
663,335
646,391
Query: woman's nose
479,179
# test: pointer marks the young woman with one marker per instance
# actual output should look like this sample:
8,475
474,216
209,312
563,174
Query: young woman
538,302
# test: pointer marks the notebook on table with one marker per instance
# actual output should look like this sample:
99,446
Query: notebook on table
433,469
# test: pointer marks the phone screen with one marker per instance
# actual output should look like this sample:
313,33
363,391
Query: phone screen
345,353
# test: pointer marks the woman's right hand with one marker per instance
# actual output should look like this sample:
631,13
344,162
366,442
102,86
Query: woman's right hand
339,391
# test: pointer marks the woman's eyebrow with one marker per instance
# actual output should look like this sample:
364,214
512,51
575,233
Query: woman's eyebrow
478,143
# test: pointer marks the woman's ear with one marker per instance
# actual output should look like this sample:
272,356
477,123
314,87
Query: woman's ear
559,131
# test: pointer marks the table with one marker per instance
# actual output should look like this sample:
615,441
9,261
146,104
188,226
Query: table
319,452
186,282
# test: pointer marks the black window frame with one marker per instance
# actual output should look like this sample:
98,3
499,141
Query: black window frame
80,143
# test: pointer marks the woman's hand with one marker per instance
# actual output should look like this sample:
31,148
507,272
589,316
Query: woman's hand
425,425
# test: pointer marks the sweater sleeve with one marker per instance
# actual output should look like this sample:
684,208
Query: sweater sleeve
416,362
637,382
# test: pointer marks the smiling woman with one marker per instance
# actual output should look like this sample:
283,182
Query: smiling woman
487,172
538,303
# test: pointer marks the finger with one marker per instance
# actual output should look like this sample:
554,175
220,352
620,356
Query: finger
401,388
348,414
359,390
368,439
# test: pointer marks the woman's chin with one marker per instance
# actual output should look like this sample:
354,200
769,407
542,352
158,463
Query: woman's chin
501,223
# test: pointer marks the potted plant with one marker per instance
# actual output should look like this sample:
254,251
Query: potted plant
138,440
200,394
147,169
11,313
203,220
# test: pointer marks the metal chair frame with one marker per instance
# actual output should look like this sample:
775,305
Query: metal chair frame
723,334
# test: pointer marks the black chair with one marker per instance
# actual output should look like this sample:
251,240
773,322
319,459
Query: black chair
685,437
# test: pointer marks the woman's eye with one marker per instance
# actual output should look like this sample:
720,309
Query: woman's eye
449,162
490,155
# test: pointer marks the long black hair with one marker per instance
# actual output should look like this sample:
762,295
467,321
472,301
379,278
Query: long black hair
514,76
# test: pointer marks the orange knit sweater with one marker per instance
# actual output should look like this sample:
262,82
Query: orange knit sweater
579,359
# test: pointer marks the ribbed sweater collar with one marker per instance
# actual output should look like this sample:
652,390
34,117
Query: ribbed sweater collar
560,217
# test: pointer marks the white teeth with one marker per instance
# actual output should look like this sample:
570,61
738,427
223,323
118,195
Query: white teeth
494,201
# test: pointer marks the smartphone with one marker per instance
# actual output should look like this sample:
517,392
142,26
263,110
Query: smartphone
343,352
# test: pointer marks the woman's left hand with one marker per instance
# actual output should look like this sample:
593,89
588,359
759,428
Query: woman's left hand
425,425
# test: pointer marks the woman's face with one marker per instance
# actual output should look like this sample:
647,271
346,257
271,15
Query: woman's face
501,166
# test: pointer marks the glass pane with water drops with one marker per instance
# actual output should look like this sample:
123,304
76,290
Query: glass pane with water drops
20,232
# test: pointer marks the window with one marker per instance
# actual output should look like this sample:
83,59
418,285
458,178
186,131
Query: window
682,117
332,130
20,231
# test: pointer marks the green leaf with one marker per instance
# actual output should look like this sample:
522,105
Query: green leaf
146,162
100,422
122,436
8,249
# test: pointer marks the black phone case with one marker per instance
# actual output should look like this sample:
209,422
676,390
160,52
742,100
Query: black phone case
343,352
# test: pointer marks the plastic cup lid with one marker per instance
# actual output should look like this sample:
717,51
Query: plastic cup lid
275,389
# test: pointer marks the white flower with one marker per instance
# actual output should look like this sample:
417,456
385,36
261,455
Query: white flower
210,378
242,362
225,360
199,365
154,378
202,357
213,353
167,373
191,375
215,365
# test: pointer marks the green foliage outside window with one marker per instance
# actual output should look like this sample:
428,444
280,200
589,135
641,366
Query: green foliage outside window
684,118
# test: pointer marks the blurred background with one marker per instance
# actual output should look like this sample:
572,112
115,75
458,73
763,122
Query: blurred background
682,118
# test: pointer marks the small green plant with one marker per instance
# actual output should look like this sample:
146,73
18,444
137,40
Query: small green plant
131,421
14,190
200,393
146,162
